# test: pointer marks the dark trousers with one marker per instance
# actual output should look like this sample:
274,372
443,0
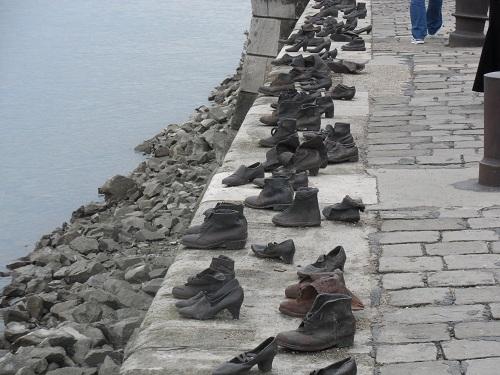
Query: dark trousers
490,57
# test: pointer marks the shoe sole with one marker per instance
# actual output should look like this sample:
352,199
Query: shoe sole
229,245
290,313
274,207
351,159
302,224
342,344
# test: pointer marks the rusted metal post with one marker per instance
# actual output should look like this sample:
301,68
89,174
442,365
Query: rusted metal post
489,167
471,16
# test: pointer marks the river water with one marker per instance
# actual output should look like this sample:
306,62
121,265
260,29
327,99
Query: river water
82,82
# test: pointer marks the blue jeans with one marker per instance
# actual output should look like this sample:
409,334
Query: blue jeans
423,22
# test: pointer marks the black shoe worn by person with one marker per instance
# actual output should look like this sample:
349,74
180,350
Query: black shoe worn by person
357,44
244,175
282,82
286,128
220,271
310,156
335,259
297,180
343,92
262,356
284,251
345,367
341,152
277,195
272,161
347,210
303,212
229,297
220,205
222,229
329,323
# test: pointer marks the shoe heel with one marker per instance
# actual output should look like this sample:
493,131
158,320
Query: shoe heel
313,172
354,158
235,245
235,309
288,258
329,113
267,365
345,342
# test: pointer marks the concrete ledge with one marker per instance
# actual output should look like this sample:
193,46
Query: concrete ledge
168,344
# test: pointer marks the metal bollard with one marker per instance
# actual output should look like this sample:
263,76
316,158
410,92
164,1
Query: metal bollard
489,167
471,16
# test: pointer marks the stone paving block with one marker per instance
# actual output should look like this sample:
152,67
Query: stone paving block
435,314
407,333
462,212
410,264
402,280
409,214
406,353
480,294
461,278
450,248
422,368
491,212
469,349
402,250
425,224
470,235
495,247
484,222
480,261
495,310
408,237
420,296
486,366
477,329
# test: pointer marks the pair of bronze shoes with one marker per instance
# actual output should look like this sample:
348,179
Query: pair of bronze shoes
301,296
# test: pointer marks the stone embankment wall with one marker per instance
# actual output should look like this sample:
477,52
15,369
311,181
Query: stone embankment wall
74,302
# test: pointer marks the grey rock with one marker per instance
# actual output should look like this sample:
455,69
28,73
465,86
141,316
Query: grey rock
14,289
120,332
107,244
73,371
26,371
53,337
138,274
45,256
152,286
158,273
35,306
54,354
127,295
80,271
217,114
12,314
84,245
109,367
100,296
96,357
14,330
63,310
128,312
126,262
118,188
161,151
94,334
144,235
11,363
87,312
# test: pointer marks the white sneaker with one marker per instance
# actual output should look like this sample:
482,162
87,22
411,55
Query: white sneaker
417,41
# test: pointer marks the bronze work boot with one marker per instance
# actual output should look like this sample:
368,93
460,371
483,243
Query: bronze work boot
329,323
335,259
292,291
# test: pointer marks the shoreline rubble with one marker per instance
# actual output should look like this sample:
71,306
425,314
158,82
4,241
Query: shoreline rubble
74,302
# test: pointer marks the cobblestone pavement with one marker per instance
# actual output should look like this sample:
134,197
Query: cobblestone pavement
437,248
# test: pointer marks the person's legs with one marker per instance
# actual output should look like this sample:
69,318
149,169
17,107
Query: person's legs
418,19
434,16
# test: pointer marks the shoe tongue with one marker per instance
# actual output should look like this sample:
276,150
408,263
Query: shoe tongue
321,259
246,357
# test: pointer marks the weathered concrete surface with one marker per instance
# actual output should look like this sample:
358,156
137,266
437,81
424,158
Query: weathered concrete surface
169,344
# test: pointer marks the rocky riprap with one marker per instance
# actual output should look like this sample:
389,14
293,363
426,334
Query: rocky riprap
75,301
